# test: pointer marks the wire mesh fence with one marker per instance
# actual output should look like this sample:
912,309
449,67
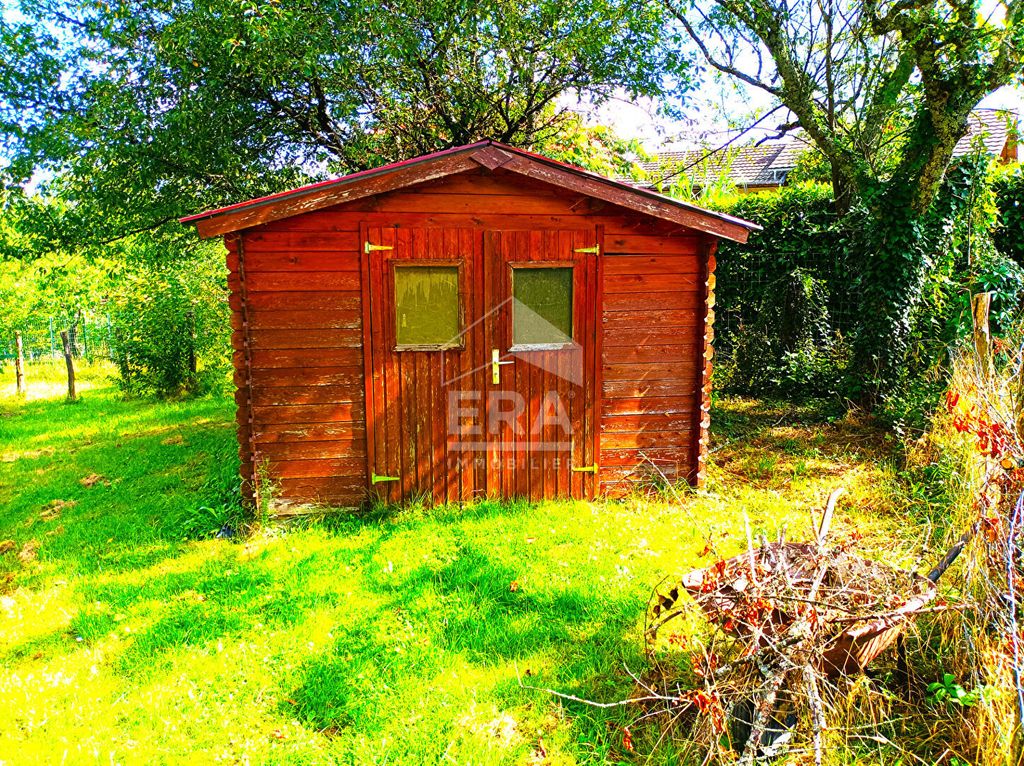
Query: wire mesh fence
89,335
787,301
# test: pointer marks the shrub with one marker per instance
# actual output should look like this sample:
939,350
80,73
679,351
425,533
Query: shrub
170,326
784,299
1008,186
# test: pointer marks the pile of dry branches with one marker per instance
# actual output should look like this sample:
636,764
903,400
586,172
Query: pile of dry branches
790,618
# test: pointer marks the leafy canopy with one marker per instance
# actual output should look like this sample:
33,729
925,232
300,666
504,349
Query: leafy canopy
137,111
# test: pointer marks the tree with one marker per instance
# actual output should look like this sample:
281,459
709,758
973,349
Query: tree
884,89
141,110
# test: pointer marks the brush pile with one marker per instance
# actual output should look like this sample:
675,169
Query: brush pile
794,616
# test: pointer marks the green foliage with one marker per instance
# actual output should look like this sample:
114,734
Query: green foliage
143,112
813,275
811,167
19,298
791,347
783,299
956,259
170,322
1008,186
706,181
949,692
886,112
155,303
595,147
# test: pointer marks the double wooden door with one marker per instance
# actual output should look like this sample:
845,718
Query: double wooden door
482,359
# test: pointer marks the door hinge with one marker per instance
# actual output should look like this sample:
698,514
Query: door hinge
596,249
368,248
375,479
586,469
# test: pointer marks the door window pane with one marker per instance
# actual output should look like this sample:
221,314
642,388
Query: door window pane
427,306
541,306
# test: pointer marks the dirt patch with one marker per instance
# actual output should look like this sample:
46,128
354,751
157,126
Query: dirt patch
29,552
93,479
7,546
54,508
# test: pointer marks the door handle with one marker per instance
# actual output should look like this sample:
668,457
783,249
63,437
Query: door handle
496,366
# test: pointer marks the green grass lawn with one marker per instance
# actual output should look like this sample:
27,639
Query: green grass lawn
128,634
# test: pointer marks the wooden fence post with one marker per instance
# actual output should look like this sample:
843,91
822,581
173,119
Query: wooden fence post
19,363
70,363
190,326
980,305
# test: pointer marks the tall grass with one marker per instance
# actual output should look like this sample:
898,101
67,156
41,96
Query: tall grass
976,483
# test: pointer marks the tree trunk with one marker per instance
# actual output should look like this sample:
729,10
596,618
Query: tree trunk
19,363
69,360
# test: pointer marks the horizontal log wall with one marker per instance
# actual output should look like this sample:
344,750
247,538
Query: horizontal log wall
652,344
304,330
305,349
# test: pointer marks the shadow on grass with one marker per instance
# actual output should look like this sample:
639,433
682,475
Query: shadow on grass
131,480
466,612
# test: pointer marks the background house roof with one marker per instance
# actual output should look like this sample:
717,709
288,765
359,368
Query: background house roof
769,163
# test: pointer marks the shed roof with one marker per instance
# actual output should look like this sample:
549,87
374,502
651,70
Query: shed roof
488,154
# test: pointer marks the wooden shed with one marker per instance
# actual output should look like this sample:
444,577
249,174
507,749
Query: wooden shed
481,321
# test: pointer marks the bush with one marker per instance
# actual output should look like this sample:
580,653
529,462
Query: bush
1008,186
170,326
789,301
792,347
784,299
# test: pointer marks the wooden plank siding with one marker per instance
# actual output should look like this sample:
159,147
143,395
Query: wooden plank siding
299,329
306,350
652,329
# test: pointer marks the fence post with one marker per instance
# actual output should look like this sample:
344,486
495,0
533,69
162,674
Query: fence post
19,363
980,305
69,360
190,322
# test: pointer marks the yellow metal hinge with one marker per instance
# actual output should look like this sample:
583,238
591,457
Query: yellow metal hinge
368,248
586,469
375,479
596,249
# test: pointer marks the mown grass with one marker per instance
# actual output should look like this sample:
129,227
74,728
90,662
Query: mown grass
130,634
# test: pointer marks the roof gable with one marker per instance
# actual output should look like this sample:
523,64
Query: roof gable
487,154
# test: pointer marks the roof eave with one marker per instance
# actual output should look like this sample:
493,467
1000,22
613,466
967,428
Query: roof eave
460,159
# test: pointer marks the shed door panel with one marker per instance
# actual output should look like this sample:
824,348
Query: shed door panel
422,298
442,306
541,291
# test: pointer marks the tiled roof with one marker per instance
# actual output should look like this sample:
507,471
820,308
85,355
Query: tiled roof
769,163
992,125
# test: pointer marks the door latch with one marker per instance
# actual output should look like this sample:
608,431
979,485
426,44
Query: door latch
586,469
496,366
375,479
